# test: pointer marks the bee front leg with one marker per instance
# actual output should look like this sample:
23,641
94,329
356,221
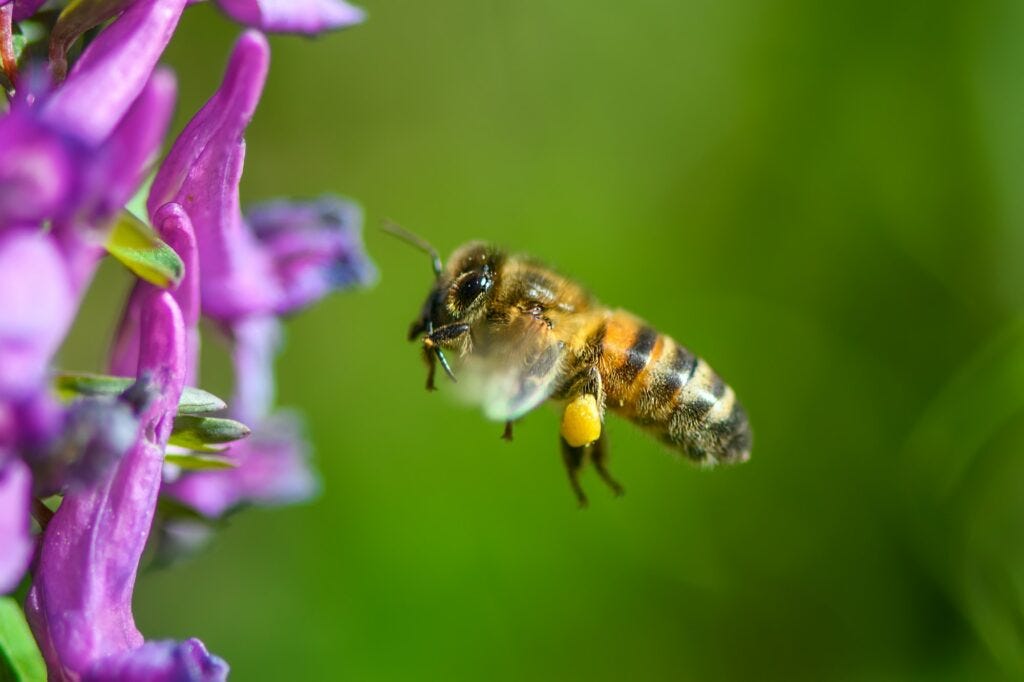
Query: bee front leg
573,459
431,368
433,343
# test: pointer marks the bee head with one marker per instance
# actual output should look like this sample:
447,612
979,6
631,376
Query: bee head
461,289
468,281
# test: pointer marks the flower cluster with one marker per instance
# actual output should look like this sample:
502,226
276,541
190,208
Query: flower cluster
76,143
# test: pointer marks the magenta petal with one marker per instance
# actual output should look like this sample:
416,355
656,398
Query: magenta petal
23,9
164,661
173,226
79,605
135,142
112,71
272,468
315,246
256,342
37,169
202,172
224,116
38,306
15,525
307,17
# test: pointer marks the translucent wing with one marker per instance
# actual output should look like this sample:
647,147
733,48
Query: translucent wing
512,374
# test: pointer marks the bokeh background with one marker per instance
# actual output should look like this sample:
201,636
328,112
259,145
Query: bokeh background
822,199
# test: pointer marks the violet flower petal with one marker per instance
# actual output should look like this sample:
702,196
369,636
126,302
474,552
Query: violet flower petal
23,9
272,468
172,224
79,605
315,246
87,440
256,342
201,172
47,172
163,661
113,70
38,305
273,464
134,143
16,543
37,169
308,17
114,172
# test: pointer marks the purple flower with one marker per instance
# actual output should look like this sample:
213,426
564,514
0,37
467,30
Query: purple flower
286,256
317,247
162,661
71,155
23,9
112,71
48,174
307,17
272,468
293,253
77,153
73,447
15,523
175,228
38,306
272,465
79,605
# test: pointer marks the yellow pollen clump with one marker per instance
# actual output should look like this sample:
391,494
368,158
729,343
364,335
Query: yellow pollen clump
581,421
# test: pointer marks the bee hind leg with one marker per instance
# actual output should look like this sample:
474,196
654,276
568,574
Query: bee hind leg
507,434
573,458
599,456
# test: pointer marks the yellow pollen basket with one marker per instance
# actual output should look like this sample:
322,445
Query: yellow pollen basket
581,421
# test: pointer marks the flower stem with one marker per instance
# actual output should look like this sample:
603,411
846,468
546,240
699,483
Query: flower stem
41,513
7,58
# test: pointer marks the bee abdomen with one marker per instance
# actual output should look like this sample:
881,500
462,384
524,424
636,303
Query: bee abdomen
707,421
661,385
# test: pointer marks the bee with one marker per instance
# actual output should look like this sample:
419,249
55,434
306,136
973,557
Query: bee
523,334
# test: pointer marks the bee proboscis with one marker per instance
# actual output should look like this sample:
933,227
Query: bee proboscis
523,334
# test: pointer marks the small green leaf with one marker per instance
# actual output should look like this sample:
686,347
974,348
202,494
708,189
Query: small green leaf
70,385
19,42
198,401
205,434
199,462
28,33
141,250
19,653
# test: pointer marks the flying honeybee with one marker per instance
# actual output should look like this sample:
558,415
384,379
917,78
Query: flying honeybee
523,334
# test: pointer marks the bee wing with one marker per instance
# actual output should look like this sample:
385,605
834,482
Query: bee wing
512,377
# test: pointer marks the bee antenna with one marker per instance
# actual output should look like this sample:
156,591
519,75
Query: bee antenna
396,230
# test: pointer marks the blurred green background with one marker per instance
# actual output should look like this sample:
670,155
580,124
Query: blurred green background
822,199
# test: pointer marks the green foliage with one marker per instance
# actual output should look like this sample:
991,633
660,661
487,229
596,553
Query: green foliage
141,250
196,461
69,385
20,660
206,434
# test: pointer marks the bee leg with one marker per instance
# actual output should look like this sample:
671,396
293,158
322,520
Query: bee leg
437,338
507,435
573,459
432,369
599,455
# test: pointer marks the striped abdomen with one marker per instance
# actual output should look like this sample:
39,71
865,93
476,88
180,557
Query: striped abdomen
652,380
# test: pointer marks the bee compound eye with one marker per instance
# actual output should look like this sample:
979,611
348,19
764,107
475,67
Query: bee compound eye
471,286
